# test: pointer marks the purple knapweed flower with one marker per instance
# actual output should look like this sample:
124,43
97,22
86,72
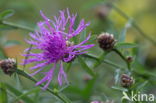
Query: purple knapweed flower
53,40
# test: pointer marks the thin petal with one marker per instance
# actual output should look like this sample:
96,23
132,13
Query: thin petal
32,74
62,75
39,65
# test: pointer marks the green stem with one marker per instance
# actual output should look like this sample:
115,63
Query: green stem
17,26
123,57
101,58
104,61
61,97
134,24
107,61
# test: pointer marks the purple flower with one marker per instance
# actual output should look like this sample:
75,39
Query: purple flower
53,42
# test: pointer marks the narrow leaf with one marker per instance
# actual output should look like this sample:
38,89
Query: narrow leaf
142,85
125,45
3,93
86,67
119,88
117,75
18,93
122,36
68,66
83,35
89,88
27,93
5,14
100,59
5,27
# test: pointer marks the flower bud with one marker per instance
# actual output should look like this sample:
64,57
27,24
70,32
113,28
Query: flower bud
106,41
8,66
129,59
126,81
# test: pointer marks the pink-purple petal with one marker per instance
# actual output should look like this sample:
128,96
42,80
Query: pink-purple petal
50,41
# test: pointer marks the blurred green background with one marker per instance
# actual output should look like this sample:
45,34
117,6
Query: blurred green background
103,18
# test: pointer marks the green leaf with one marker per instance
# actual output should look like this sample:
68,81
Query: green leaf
119,88
17,26
5,27
93,38
122,36
5,14
27,93
100,59
68,66
91,56
11,43
60,96
3,94
64,87
18,81
117,75
83,35
86,67
74,90
142,71
125,45
18,93
142,85
87,92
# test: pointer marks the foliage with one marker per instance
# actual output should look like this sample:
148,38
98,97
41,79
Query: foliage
100,75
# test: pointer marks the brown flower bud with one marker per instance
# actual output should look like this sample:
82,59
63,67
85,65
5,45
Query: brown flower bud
8,66
129,59
126,81
106,41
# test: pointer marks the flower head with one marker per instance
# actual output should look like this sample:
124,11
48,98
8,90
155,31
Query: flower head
106,41
53,40
126,80
8,66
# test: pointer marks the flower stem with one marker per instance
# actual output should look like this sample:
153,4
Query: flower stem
123,57
134,24
60,96
104,61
